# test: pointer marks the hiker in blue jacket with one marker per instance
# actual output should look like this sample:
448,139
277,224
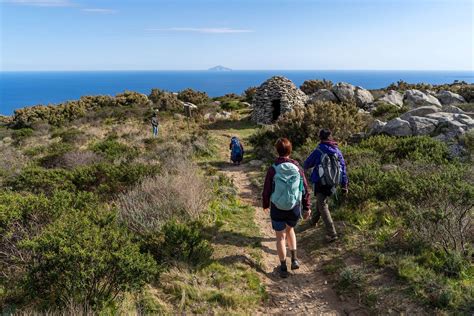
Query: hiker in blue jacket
236,150
329,172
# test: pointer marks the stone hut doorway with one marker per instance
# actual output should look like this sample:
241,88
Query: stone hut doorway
276,109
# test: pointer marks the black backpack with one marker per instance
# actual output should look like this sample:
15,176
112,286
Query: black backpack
329,171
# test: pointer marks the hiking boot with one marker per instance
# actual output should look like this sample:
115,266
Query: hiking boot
295,264
283,272
331,238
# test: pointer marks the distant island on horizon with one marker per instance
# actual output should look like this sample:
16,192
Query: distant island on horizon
219,68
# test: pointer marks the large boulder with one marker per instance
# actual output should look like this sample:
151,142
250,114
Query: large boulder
345,92
422,125
415,98
421,111
449,130
449,98
441,116
464,119
376,127
397,127
393,97
323,95
363,97
451,109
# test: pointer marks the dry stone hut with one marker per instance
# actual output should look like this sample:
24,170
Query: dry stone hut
274,97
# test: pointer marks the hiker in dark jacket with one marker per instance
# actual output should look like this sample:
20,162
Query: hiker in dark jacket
155,124
322,192
236,150
284,220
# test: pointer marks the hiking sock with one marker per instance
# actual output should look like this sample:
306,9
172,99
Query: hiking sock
283,269
293,255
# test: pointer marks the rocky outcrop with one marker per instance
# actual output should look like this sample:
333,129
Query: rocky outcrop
449,98
363,97
276,96
376,127
397,127
426,120
392,97
415,98
323,95
422,125
345,92
421,111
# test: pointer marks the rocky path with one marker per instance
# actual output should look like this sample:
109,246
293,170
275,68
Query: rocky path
306,291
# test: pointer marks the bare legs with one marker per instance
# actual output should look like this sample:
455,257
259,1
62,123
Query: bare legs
283,237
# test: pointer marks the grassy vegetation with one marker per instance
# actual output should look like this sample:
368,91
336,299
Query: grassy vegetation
77,234
407,219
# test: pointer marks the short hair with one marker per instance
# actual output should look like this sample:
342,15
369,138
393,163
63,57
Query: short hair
283,147
325,134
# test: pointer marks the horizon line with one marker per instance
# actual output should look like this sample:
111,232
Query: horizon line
223,71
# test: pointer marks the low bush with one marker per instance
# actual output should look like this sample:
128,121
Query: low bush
113,150
311,86
193,96
387,111
54,153
179,243
39,180
23,216
302,125
70,135
19,135
165,101
77,158
419,148
86,258
232,105
110,179
164,197
249,94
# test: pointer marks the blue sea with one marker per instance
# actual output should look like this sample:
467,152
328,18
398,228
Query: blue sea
20,89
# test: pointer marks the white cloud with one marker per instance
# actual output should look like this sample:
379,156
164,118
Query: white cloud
42,3
222,30
99,11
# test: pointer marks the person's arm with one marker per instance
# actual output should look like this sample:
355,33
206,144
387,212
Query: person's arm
242,148
311,161
267,188
344,178
230,146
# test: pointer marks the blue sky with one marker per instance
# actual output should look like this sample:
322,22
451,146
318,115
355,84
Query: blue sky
240,34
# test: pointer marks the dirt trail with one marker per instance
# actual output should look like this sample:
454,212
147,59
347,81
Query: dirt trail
306,291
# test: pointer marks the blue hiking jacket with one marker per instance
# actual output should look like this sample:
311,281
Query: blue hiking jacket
328,147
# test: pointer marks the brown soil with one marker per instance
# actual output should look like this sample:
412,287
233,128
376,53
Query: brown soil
307,290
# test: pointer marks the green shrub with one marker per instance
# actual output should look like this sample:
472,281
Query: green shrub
193,96
39,180
387,111
109,179
179,242
303,124
69,135
232,105
54,153
418,148
114,150
19,135
86,258
23,216
165,101
311,86
249,94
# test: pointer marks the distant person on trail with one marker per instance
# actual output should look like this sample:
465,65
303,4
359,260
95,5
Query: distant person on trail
285,193
329,172
236,150
155,124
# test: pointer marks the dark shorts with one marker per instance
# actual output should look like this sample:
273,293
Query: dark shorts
280,218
